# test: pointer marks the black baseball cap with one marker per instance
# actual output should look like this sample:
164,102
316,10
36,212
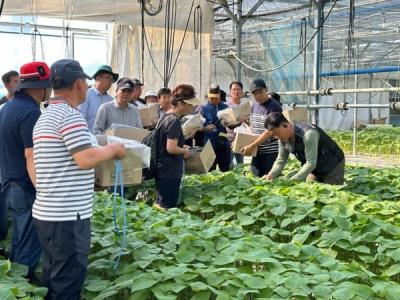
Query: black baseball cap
66,71
257,84
136,81
125,84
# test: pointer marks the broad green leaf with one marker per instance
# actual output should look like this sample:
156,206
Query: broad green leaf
185,256
253,282
97,285
393,270
392,291
143,281
201,295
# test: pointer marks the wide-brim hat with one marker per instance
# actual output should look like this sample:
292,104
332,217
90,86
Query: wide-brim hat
106,69
34,75
192,101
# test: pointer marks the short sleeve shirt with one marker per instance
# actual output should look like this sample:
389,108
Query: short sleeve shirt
17,119
259,113
64,191
171,165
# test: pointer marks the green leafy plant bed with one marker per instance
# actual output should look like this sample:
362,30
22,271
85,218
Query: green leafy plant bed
13,285
240,237
381,141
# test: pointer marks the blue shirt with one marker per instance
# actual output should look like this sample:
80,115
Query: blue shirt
91,105
209,112
17,119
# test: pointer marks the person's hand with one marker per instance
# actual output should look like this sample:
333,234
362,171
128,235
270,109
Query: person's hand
267,177
248,150
209,128
186,153
244,120
119,150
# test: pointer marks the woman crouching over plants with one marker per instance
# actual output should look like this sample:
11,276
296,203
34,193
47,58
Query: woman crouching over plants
171,149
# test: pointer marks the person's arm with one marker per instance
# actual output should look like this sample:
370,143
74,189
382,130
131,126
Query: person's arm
92,157
174,149
247,150
173,132
30,165
100,121
311,139
26,125
76,136
208,125
279,163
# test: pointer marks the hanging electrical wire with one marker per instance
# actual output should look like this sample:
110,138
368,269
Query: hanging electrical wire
183,40
69,7
197,39
117,29
350,44
142,10
35,7
302,41
294,57
1,7
169,37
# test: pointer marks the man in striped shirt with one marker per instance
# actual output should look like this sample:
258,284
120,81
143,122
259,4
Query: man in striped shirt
268,147
64,162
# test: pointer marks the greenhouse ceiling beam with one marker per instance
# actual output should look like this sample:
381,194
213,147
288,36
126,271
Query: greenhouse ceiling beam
225,6
331,91
344,7
253,9
51,27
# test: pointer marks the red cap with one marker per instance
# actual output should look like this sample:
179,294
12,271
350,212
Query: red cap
34,75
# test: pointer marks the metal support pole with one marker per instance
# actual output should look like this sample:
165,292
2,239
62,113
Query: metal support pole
317,55
346,106
355,102
331,91
239,26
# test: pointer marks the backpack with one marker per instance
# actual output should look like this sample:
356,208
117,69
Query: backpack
151,140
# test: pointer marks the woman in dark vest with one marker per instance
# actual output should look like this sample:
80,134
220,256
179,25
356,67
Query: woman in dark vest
321,158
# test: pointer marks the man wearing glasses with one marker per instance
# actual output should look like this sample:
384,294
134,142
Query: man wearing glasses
97,94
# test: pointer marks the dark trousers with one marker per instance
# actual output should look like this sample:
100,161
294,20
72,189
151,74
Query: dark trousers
168,191
223,159
25,246
3,217
238,158
66,248
262,163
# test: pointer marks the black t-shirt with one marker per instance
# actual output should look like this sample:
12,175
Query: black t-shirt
171,165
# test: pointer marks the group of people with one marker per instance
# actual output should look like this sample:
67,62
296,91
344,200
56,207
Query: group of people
47,155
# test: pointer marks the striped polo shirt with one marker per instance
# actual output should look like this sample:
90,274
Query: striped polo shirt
64,191
258,115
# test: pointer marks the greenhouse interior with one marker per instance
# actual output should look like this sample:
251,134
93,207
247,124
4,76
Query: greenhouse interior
200,149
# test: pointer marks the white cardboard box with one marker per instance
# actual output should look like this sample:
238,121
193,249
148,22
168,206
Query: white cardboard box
149,115
131,168
200,160
130,133
244,139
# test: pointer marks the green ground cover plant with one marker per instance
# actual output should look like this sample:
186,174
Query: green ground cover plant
240,237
